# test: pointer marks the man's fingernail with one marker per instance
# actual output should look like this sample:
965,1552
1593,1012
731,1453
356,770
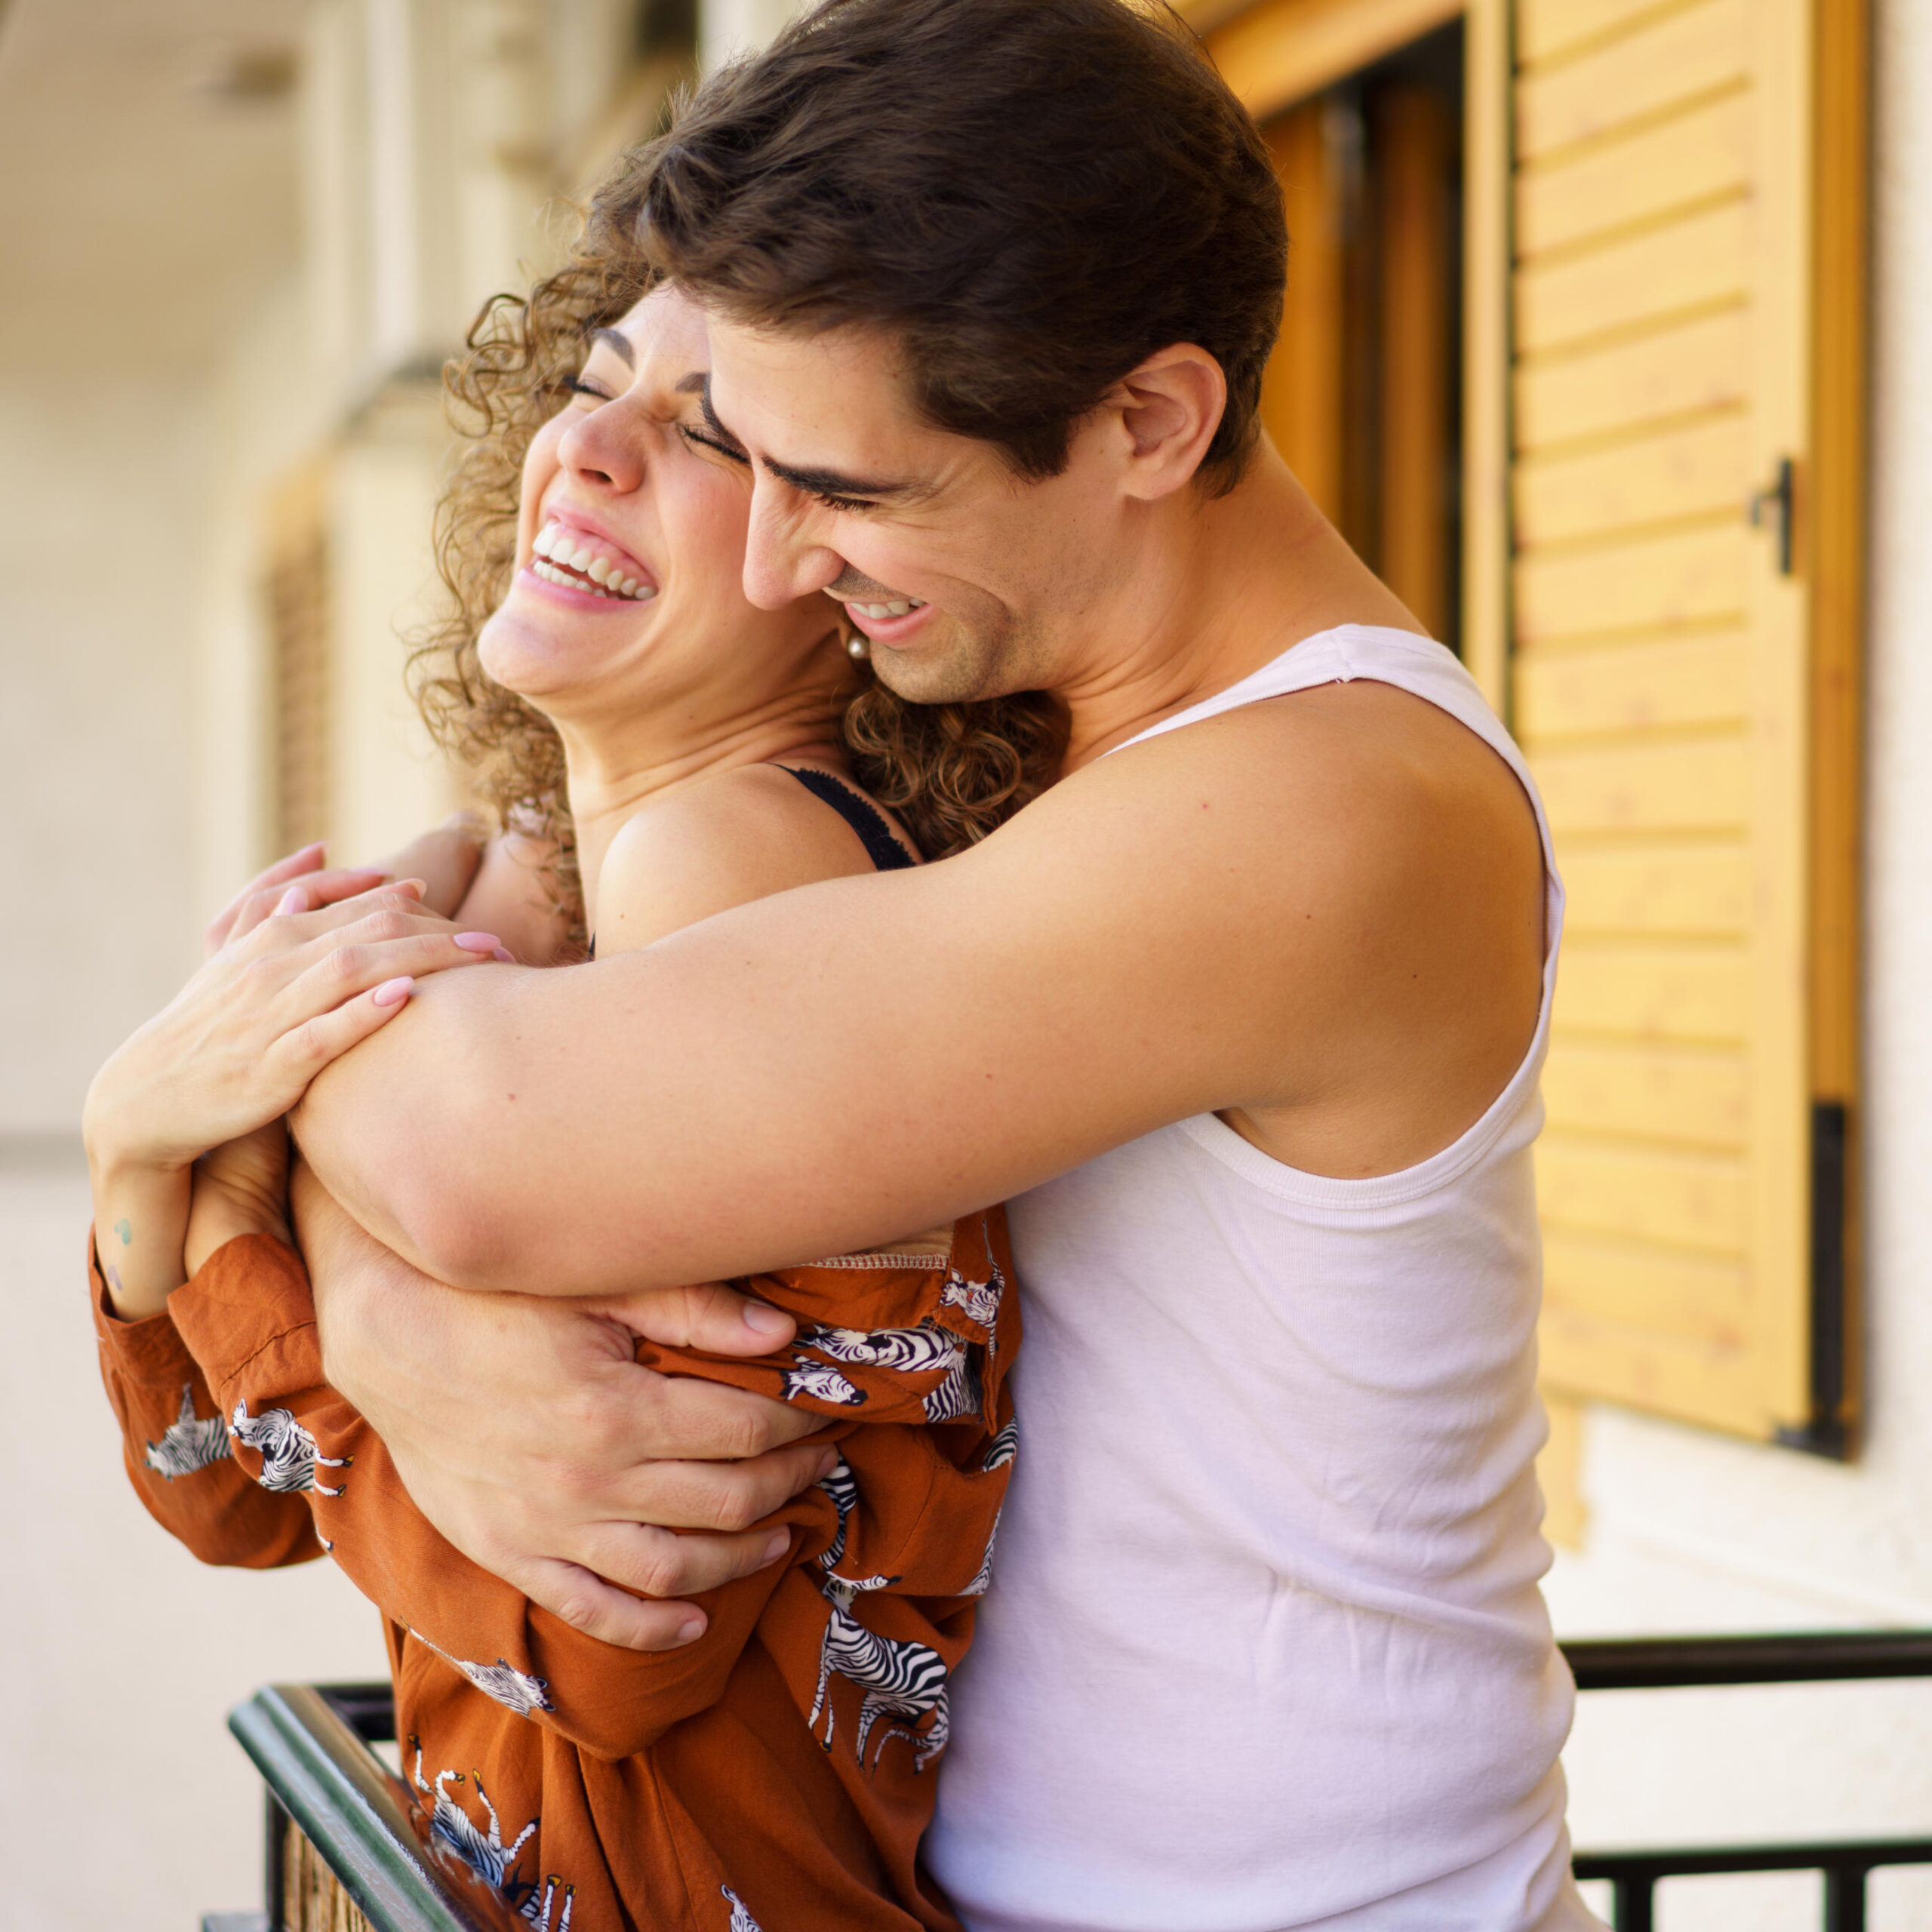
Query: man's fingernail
479,941
766,1319
690,1630
827,1463
391,991
781,1541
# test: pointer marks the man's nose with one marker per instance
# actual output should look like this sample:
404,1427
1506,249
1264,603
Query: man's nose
782,563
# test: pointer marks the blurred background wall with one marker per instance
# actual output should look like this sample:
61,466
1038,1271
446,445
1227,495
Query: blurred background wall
237,239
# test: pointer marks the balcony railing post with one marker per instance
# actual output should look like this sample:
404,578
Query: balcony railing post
1632,1903
1844,1897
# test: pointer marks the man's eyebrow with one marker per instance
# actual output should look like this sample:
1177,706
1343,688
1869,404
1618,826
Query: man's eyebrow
618,344
814,482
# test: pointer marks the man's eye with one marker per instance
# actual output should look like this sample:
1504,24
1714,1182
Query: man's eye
845,505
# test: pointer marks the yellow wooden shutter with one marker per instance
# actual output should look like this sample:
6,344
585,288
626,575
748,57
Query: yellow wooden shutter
1687,294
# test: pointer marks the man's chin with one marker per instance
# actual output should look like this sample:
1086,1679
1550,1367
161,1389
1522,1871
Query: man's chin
940,676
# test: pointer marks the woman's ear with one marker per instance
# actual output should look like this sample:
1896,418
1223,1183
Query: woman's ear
1170,408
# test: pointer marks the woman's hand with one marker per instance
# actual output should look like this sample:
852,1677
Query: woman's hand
233,1051
526,1431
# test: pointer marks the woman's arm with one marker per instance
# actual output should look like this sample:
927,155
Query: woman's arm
233,1052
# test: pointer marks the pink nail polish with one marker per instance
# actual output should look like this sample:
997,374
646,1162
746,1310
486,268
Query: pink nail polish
478,942
504,953
295,899
392,992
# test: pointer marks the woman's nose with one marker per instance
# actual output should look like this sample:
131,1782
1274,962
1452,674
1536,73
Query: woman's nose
595,448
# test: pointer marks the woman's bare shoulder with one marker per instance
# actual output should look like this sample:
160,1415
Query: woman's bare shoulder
722,841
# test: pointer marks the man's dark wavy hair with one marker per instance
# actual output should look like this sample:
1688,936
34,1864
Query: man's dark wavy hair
1032,196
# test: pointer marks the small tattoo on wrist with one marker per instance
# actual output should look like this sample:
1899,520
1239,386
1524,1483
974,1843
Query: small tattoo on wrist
125,1229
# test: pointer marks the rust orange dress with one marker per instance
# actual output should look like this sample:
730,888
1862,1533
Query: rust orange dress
776,1773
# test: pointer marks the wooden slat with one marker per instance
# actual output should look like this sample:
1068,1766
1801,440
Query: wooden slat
1661,272
1689,471
1693,1200
1656,992
1640,1364
1281,51
1698,1296
1559,1472
1692,157
1698,784
1667,1093
1698,365
1682,56
1698,890
1651,585
1546,29
1685,680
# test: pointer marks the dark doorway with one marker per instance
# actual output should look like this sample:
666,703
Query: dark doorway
1363,397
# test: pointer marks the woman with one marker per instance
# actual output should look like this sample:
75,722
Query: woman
779,1763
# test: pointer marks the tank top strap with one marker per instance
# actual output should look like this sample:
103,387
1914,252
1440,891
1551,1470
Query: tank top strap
858,811
1404,659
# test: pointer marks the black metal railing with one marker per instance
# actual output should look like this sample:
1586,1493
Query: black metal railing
1671,1663
333,1805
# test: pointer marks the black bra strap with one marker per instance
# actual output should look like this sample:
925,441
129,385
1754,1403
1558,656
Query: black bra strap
860,814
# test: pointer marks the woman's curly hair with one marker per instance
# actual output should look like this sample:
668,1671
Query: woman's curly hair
951,772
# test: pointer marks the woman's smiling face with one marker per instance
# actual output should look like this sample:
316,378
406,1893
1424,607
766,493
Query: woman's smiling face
630,550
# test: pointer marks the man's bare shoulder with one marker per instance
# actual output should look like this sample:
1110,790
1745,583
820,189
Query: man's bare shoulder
1358,879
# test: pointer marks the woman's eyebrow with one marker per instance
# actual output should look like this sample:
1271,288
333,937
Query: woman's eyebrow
618,344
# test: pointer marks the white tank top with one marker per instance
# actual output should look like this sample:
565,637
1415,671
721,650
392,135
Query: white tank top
1265,1646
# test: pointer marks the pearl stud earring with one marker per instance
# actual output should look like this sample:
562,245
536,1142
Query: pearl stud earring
859,644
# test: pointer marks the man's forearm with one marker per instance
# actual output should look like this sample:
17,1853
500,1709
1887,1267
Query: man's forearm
825,1069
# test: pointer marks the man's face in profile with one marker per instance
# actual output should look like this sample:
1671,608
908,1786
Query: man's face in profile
969,579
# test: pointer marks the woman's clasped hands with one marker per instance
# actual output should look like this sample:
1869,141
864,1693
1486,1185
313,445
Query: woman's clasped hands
303,964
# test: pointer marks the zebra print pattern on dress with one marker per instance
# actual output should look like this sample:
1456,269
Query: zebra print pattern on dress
741,1918
501,1679
290,1457
188,1443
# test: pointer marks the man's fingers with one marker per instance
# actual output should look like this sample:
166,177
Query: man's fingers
720,1497
689,1418
712,1315
662,1564
588,1603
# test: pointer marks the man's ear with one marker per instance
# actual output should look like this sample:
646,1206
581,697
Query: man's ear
1169,407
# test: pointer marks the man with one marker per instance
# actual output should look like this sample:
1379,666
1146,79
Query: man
1245,1020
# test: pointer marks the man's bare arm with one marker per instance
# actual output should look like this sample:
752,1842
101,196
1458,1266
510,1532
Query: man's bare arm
1323,913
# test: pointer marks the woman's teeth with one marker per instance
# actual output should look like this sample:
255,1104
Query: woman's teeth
898,608
561,555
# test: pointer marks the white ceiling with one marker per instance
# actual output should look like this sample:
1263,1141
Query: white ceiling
142,201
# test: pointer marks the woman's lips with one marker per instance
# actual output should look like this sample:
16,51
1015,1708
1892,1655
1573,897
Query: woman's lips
575,559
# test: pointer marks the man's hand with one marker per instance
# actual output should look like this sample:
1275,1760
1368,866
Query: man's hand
525,1431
